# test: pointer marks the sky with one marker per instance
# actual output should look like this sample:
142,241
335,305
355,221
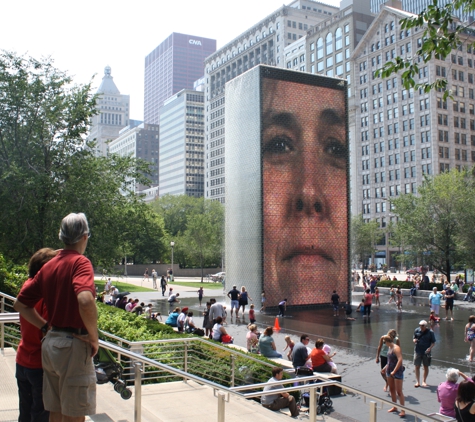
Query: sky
85,36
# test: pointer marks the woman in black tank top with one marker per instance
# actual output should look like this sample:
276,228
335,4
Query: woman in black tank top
465,403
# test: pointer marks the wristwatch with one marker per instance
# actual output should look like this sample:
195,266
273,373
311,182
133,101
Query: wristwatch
44,328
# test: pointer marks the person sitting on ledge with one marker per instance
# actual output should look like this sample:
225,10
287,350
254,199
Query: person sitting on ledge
320,360
172,318
280,400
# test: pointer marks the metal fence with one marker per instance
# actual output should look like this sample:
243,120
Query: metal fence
189,359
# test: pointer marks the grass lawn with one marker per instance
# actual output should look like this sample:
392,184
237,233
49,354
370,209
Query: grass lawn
197,285
122,286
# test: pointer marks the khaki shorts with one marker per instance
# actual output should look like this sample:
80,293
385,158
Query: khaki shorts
422,359
69,380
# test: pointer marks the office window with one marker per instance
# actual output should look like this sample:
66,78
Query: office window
338,39
329,43
319,48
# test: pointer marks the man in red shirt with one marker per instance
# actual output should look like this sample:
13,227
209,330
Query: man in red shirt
66,284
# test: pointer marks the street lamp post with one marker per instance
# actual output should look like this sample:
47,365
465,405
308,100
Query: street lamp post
172,244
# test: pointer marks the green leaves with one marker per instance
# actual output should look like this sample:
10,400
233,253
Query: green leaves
47,170
364,236
436,225
440,35
197,227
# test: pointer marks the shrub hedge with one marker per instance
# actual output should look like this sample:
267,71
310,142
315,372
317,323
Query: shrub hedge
131,327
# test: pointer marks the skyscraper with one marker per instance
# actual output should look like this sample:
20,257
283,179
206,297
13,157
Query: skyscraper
139,140
174,65
113,113
181,163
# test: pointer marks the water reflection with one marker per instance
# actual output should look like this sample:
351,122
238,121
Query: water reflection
362,336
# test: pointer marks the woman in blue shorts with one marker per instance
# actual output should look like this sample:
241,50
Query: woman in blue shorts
395,373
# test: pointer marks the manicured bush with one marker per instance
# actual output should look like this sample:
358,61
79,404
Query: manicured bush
204,359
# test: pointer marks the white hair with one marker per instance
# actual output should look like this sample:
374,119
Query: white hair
452,374
73,227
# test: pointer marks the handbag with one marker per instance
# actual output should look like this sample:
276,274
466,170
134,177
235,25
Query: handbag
303,371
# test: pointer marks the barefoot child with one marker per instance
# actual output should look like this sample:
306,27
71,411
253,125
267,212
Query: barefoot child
392,295
376,295
263,302
399,299
252,314
360,307
433,319
290,346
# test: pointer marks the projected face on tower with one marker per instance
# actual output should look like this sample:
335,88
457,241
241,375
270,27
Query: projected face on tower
305,194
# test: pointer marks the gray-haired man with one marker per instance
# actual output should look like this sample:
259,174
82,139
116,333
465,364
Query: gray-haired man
66,283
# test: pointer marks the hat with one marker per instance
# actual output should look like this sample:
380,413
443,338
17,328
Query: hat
423,322
185,309
234,286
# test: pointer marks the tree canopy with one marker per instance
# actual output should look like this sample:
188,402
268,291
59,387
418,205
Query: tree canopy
364,236
437,224
196,225
47,170
441,33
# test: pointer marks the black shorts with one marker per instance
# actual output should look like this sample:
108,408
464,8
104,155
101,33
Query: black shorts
449,305
383,360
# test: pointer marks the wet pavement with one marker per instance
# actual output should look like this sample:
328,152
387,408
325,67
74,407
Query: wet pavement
356,343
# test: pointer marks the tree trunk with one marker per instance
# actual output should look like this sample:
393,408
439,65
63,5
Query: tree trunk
447,268
201,264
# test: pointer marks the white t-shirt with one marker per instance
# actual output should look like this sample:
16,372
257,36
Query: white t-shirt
181,319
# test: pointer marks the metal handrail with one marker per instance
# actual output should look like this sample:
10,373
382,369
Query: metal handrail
140,360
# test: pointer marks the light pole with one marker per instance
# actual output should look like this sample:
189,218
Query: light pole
172,244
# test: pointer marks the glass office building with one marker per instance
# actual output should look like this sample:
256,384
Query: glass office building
174,65
181,162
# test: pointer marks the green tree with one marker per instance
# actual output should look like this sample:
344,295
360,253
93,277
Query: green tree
434,223
441,33
196,226
204,233
47,170
364,236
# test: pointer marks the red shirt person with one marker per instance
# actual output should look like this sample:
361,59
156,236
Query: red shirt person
66,284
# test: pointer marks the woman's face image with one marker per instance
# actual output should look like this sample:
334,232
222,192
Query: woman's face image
304,170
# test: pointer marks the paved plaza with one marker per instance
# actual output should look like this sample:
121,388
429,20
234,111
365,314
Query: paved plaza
354,341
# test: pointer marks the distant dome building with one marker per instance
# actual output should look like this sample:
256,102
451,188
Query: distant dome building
113,114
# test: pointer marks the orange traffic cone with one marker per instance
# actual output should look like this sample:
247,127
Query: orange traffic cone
276,324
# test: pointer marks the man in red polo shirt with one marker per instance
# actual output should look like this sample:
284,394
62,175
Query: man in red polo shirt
66,284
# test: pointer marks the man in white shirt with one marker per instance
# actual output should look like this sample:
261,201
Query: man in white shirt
181,319
280,400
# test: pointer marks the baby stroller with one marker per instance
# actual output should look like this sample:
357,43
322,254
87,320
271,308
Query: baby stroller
324,402
108,370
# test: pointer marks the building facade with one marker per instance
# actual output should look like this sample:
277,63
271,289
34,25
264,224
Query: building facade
263,43
181,164
139,140
406,134
329,47
174,65
113,114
